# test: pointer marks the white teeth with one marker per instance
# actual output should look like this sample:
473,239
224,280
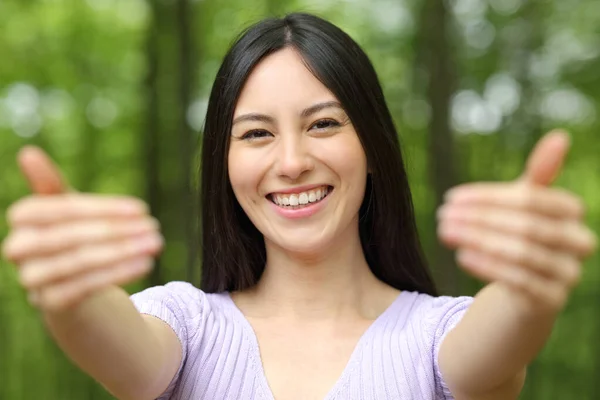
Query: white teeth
302,198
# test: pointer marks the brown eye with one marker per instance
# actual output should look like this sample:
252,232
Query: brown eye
256,134
325,124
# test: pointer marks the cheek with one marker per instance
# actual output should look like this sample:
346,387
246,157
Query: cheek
243,174
347,158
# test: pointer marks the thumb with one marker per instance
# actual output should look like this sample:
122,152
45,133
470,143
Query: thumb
546,159
42,174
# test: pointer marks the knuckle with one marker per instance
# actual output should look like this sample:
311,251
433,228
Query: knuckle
578,206
142,205
71,202
559,298
558,231
31,274
51,301
8,248
103,229
77,258
131,247
134,204
11,214
529,228
17,210
18,244
528,197
574,204
523,253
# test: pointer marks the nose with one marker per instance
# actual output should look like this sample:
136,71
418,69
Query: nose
293,157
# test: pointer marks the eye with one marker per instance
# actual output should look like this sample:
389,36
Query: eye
325,124
255,134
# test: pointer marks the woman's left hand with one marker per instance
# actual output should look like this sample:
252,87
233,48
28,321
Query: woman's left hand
523,234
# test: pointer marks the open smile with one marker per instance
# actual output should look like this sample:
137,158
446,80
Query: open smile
300,199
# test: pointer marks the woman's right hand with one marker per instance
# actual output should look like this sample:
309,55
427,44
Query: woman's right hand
68,245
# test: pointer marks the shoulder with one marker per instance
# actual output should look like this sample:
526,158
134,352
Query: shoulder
180,303
202,322
423,319
435,313
430,317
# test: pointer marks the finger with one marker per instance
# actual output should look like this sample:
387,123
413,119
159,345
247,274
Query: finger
568,235
42,174
36,243
515,251
67,293
547,158
539,288
557,203
45,271
36,210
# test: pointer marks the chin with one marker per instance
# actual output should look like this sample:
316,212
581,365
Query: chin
303,248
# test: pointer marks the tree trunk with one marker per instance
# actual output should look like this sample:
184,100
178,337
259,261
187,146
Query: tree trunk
189,212
168,140
434,58
149,136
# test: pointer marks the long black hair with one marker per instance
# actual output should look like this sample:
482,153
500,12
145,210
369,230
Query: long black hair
233,250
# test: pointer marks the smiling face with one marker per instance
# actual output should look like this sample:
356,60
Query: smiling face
296,164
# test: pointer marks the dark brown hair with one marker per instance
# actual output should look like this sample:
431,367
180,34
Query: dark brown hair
233,250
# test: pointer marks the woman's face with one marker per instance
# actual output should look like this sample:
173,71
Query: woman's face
296,164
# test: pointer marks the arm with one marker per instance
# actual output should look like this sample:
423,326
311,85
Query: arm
72,251
133,356
485,356
529,240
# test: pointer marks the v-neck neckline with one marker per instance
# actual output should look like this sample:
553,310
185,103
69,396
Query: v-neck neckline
344,377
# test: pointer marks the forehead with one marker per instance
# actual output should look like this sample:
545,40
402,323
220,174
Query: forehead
281,81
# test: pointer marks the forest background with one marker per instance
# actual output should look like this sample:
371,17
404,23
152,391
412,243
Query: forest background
116,92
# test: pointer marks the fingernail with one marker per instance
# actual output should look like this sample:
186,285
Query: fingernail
442,212
469,257
457,194
140,265
143,226
148,242
134,207
450,194
451,232
28,276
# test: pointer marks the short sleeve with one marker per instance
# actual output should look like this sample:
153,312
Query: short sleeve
445,313
179,305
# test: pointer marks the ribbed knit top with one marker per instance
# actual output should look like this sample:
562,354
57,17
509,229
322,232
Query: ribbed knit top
396,358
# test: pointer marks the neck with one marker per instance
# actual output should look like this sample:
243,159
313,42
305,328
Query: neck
329,284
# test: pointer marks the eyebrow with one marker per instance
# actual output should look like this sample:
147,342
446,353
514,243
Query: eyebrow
307,112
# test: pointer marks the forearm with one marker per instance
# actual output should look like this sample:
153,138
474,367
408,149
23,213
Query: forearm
494,342
107,337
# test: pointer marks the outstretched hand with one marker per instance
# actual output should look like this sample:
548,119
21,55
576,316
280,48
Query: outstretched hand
68,245
523,233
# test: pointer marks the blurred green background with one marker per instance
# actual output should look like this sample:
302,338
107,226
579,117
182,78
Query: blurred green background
116,90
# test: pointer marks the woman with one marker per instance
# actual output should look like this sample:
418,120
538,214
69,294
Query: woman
314,285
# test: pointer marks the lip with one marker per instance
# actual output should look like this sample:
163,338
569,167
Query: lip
303,212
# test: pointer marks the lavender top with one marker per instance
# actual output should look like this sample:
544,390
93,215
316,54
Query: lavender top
396,358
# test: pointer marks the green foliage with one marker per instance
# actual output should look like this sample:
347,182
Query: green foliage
76,78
